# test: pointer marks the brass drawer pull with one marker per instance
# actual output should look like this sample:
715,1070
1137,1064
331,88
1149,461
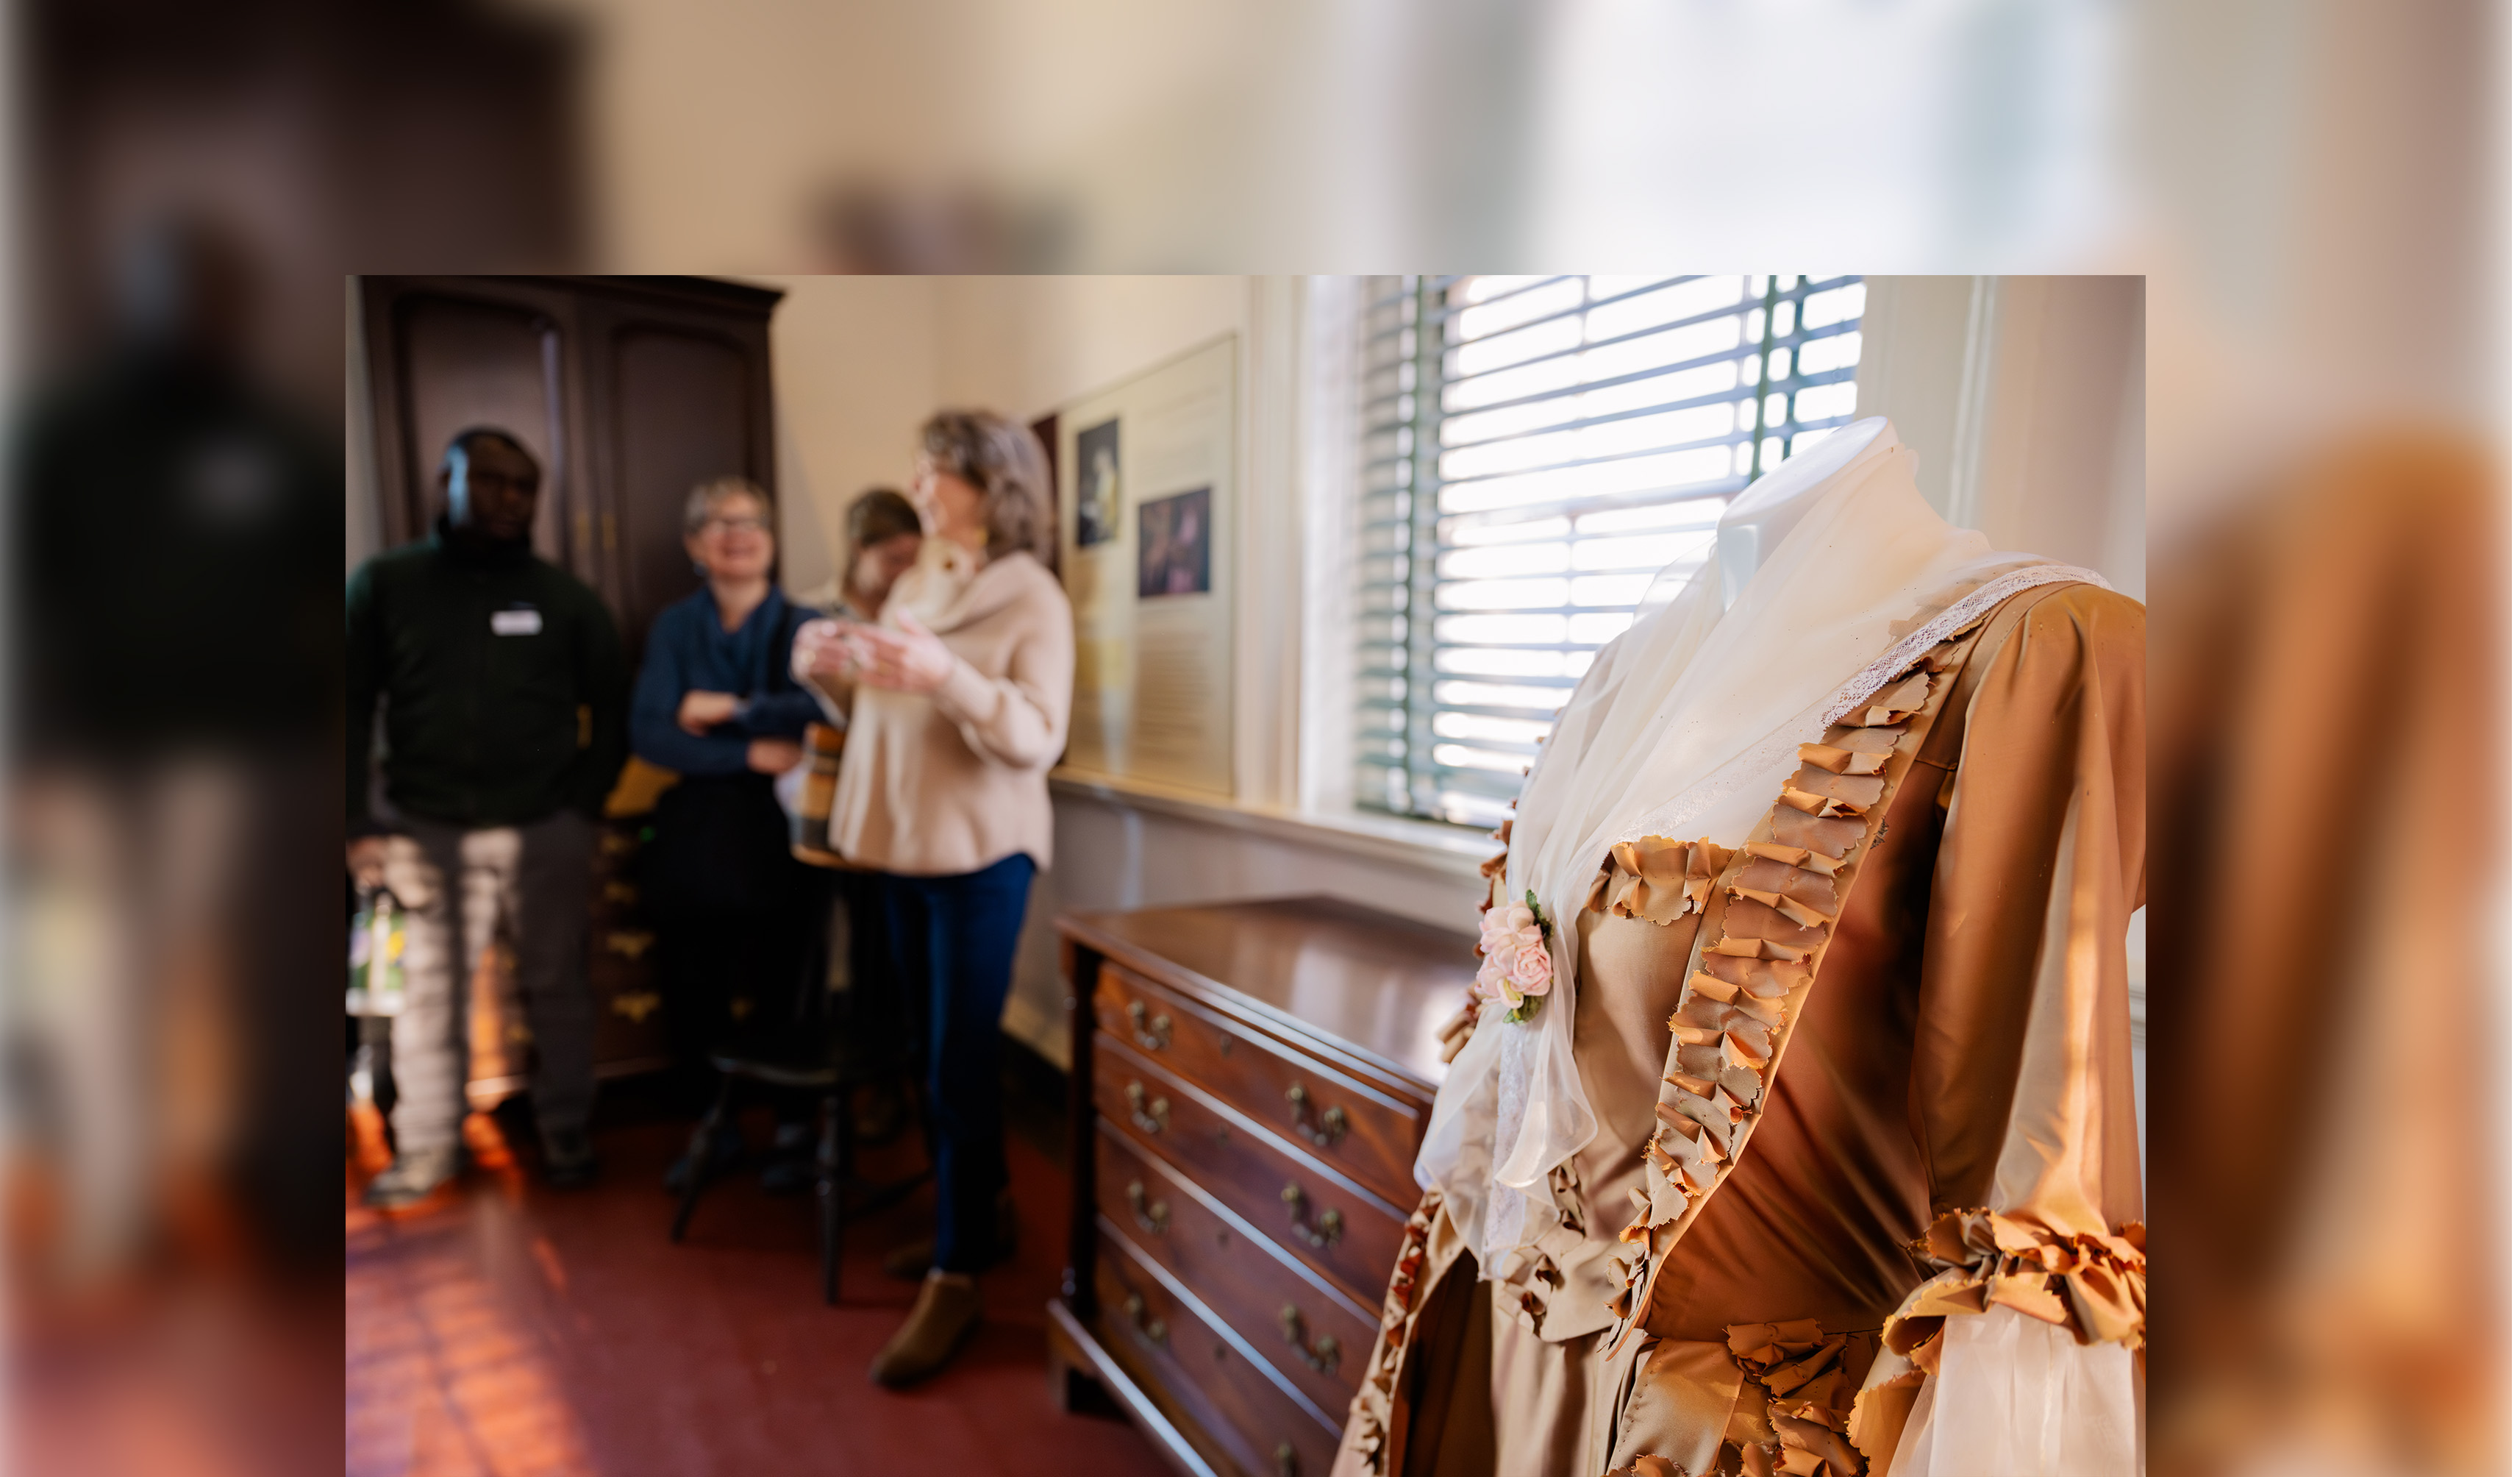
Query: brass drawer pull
1320,1233
1333,1122
1322,1354
1155,1216
1149,1117
1155,1035
1286,1459
1153,1331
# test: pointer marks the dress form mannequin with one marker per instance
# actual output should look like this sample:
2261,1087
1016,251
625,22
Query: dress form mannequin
1597,1328
1758,521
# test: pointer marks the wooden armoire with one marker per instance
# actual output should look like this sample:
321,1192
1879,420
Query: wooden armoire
629,391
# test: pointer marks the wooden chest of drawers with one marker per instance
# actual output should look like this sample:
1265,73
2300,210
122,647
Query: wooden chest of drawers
1250,1081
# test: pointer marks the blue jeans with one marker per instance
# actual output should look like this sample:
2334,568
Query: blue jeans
953,944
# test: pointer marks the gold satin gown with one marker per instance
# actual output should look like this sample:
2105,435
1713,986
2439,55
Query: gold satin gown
1714,1299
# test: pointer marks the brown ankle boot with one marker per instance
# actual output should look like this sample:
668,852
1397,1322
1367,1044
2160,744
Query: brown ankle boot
947,1311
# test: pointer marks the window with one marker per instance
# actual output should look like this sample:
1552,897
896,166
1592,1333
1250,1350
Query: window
1535,450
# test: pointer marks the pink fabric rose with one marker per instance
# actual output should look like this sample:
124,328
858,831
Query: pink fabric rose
1513,964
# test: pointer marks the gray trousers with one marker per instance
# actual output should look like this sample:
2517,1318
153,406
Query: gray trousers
463,888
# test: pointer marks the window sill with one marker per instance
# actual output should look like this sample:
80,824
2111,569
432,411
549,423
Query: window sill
1431,845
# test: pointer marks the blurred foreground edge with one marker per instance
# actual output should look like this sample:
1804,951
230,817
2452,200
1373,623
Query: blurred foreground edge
2328,956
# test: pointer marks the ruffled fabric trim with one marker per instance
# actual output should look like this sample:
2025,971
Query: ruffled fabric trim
1658,879
1803,1408
1798,1397
1809,1381
2092,1287
1456,1031
1398,1306
1783,892
1942,617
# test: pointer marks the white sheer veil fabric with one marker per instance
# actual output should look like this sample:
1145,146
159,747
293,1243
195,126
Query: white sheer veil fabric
1684,728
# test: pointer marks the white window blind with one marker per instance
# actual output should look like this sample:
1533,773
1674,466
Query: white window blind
1535,450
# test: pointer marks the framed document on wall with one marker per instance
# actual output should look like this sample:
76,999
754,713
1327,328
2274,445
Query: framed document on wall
1146,552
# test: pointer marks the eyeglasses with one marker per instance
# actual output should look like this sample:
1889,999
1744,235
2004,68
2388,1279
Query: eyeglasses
743,524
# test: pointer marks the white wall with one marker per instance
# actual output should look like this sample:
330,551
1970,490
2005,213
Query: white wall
1026,346
2023,397
2061,472
854,366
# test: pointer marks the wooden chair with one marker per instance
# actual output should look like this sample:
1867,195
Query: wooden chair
821,1067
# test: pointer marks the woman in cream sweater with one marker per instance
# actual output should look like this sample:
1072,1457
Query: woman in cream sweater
956,705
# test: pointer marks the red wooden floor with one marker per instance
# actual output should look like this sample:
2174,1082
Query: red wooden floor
507,1329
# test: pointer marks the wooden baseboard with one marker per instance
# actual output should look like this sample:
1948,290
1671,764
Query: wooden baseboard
1074,1350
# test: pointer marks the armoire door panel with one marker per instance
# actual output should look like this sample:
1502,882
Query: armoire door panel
682,404
629,391
467,362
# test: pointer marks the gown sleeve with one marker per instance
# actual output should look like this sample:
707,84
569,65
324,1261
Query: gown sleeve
2021,1351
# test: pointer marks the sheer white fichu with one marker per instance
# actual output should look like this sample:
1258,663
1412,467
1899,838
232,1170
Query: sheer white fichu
1684,728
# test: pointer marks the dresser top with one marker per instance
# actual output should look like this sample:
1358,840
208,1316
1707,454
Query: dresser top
1352,978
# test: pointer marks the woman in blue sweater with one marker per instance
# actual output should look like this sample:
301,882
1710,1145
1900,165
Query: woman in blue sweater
715,704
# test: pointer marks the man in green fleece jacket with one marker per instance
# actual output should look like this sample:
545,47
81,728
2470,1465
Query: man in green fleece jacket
505,716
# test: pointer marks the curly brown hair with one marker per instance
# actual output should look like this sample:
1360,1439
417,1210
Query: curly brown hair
1002,459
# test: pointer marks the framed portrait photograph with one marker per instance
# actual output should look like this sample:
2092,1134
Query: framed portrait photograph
1098,484
1173,545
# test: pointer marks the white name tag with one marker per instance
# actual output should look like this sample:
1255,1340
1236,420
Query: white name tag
517,623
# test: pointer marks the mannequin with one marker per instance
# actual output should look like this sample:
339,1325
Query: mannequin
1755,524
1674,1193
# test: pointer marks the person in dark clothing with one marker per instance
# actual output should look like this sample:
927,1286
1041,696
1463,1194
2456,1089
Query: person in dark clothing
504,689
733,909
176,653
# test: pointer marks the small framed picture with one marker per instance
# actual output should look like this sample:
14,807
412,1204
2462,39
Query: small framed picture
1173,545
1098,484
